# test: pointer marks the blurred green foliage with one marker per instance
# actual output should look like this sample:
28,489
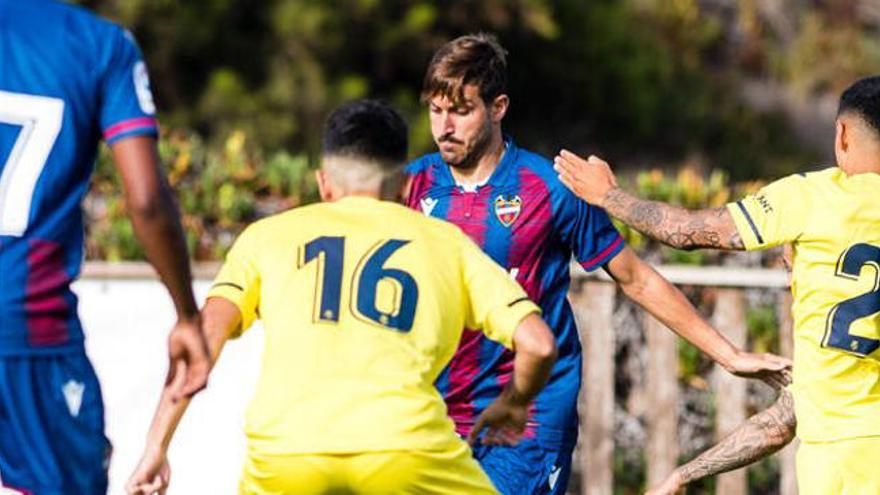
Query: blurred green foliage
763,330
644,81
219,189
656,82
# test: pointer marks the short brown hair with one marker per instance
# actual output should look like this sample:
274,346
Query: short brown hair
471,59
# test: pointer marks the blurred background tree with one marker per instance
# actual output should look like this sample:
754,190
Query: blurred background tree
747,88
643,81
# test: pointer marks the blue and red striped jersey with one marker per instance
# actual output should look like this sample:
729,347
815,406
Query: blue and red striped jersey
67,79
529,223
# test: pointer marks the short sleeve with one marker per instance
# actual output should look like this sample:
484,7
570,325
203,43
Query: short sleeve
593,239
239,279
127,107
496,303
774,215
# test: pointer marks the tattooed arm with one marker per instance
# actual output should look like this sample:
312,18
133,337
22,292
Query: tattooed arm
673,225
593,181
761,435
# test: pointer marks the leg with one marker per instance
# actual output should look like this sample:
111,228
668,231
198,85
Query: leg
528,468
51,426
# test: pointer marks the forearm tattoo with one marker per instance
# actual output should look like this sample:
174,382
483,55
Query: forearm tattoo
760,436
673,225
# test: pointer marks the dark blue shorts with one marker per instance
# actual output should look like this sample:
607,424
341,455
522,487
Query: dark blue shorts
52,426
528,468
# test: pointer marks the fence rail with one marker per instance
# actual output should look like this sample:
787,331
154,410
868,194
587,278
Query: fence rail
593,299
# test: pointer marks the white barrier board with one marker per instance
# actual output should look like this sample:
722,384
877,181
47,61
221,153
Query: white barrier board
126,324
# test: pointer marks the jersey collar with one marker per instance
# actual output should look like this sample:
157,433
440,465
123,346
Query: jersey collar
497,177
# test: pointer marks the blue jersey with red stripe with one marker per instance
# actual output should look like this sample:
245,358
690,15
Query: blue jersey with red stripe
530,224
67,79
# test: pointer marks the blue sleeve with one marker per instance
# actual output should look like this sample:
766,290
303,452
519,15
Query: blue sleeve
127,107
593,239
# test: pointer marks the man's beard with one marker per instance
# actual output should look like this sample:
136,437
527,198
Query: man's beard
472,156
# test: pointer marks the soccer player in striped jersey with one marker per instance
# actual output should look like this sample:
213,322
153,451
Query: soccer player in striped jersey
67,79
511,203
831,218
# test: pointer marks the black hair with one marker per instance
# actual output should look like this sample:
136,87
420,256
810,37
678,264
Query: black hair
863,99
367,129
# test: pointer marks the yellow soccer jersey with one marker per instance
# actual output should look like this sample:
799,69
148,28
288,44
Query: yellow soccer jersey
363,303
833,223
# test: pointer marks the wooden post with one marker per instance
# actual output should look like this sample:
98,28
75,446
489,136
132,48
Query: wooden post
662,397
593,305
787,476
730,391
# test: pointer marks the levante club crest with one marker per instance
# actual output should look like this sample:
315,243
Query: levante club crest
507,209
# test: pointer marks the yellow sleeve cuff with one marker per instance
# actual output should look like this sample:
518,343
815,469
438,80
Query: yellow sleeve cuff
233,294
502,323
745,225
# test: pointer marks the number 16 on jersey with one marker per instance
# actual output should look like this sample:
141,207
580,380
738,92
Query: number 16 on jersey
329,253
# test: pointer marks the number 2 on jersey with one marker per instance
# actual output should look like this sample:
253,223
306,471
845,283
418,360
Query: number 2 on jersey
329,253
40,119
843,314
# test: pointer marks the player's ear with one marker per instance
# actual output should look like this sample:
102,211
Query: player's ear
499,108
325,189
842,134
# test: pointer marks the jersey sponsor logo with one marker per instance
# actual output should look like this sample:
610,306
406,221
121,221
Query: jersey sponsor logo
142,88
427,205
765,203
507,209
73,395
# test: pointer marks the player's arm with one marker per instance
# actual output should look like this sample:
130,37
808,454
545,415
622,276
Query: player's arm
641,283
221,319
535,352
760,436
156,224
593,181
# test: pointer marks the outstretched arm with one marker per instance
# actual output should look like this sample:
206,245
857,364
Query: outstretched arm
760,436
157,226
221,318
593,181
641,283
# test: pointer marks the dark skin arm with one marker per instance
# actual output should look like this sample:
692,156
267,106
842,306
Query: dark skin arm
760,436
593,181
157,226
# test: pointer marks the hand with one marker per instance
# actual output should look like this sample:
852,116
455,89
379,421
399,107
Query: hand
769,368
152,474
504,421
188,353
589,179
670,486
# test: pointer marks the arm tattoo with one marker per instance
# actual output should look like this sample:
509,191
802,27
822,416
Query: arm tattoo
674,225
760,436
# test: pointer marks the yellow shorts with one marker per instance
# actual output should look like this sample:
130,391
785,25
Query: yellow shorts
844,467
410,472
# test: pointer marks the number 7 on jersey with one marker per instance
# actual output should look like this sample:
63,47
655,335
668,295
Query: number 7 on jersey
40,119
